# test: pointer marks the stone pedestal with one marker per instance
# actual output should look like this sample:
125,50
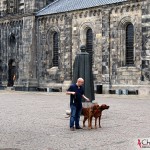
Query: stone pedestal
106,88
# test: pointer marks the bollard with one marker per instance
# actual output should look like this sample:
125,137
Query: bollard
49,90
118,92
125,92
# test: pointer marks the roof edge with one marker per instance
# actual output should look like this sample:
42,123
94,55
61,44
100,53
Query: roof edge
46,6
38,15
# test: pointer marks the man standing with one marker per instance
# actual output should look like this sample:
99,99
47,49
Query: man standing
76,93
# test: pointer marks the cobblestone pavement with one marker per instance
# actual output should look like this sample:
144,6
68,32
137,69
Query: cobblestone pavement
36,121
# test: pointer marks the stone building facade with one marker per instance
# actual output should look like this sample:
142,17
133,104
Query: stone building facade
17,42
40,48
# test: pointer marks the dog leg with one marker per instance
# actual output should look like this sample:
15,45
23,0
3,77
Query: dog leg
95,123
89,123
85,118
100,121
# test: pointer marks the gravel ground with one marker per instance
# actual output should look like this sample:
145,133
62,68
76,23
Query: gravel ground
36,121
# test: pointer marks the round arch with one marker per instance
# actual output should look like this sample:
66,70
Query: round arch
53,33
83,30
122,35
124,22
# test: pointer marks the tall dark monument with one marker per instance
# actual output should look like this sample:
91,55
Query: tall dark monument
82,68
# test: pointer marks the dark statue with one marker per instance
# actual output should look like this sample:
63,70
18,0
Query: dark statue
82,68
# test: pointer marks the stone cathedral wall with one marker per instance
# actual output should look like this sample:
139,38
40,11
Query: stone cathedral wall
108,24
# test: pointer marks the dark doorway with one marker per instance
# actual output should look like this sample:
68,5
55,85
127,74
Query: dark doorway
11,72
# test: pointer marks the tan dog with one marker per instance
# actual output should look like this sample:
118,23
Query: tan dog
99,114
93,111
90,112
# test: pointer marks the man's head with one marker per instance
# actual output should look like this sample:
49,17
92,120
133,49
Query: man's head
80,82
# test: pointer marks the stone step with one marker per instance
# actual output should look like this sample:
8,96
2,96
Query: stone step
9,88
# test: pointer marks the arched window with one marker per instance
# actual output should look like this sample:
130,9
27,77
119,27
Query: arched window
129,44
89,43
55,49
12,40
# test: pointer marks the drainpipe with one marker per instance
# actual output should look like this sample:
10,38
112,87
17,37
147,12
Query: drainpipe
109,57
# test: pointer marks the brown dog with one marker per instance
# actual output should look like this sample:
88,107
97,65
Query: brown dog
99,114
90,112
93,111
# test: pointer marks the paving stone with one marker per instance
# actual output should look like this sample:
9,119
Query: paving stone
36,121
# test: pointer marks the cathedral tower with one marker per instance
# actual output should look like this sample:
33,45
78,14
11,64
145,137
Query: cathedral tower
17,42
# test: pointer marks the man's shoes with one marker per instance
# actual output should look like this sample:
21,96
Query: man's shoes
72,129
78,127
